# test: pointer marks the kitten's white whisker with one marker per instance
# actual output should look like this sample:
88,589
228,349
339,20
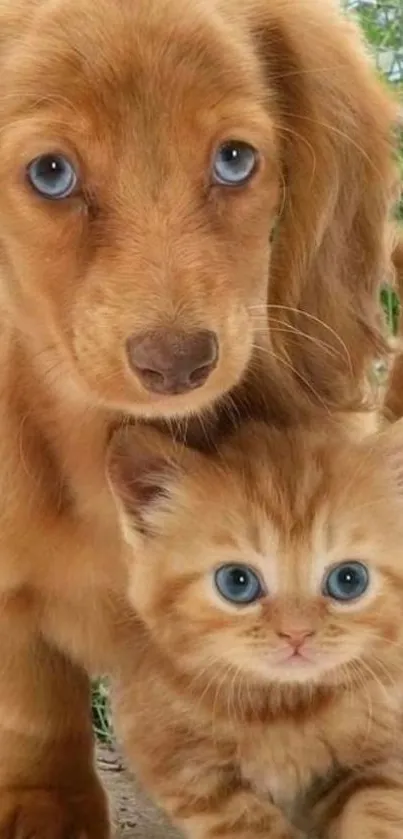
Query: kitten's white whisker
373,676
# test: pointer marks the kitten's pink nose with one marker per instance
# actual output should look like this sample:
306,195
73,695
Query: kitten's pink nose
296,636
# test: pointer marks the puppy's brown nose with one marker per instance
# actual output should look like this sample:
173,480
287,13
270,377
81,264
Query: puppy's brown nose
173,362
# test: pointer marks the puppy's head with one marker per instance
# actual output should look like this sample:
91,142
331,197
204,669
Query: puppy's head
149,152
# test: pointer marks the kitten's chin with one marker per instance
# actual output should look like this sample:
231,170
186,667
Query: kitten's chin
302,669
297,670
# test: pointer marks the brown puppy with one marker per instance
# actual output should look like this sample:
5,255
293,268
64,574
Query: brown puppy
148,152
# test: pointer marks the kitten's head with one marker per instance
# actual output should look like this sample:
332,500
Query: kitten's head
280,557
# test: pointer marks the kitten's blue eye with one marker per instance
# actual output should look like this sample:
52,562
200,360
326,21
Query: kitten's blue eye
234,163
238,584
346,581
52,176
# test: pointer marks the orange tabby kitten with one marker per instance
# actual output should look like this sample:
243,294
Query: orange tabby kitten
265,692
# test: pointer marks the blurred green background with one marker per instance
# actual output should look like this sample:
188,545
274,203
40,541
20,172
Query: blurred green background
382,22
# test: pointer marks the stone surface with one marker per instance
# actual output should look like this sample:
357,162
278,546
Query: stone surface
135,817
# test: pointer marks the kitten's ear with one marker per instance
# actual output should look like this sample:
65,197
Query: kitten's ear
142,465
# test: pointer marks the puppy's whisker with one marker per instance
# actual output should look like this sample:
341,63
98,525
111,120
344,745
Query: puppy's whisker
314,319
333,129
296,373
288,328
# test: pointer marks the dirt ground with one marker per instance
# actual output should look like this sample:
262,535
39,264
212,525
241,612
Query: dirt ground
134,816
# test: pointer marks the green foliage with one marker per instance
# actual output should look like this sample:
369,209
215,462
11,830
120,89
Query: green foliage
391,307
382,23
101,711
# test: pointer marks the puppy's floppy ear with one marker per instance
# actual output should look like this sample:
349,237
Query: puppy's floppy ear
331,250
142,466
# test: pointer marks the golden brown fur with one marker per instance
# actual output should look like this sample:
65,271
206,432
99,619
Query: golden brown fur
138,94
236,731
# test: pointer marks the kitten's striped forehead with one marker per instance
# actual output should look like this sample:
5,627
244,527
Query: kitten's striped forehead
312,499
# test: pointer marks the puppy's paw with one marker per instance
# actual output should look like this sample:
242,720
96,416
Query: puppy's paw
53,814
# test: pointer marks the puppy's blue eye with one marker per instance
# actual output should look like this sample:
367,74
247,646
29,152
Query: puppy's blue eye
52,176
238,584
347,581
234,163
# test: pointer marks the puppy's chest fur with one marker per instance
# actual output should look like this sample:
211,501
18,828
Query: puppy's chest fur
60,545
